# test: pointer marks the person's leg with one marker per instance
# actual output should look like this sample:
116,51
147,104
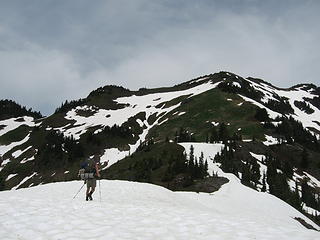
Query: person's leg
87,193
88,190
93,187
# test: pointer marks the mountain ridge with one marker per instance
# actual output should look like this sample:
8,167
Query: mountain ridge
123,126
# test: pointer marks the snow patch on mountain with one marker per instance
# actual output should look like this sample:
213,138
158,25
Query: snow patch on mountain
13,123
24,180
19,152
292,95
305,118
11,176
236,84
271,113
270,140
134,105
6,148
28,159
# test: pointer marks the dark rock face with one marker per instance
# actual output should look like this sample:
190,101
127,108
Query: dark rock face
183,182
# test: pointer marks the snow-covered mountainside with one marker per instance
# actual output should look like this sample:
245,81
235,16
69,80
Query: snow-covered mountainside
143,110
270,137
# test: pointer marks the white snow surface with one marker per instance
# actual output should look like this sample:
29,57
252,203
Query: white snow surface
304,118
13,123
270,140
28,159
271,113
263,167
236,84
113,155
24,180
130,210
17,153
292,95
11,176
6,148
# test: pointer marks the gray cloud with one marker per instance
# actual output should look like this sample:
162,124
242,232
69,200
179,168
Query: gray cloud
56,50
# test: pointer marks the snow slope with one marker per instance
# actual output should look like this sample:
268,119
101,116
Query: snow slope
130,210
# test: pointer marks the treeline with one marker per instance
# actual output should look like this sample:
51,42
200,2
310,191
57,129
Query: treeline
110,89
58,150
246,89
278,186
248,170
221,133
215,135
281,105
293,131
108,133
181,164
68,105
11,109
183,135
146,145
277,176
303,106
144,168
172,165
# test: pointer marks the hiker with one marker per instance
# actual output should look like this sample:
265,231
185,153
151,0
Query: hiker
91,181
88,172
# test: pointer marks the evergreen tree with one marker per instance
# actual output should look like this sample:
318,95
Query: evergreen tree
262,115
304,159
191,154
223,132
255,177
214,137
264,186
201,165
287,168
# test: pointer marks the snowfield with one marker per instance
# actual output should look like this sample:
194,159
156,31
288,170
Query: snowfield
130,210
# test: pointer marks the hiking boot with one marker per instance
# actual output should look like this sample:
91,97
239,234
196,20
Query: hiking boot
90,196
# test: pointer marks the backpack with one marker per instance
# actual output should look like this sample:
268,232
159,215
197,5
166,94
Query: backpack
87,171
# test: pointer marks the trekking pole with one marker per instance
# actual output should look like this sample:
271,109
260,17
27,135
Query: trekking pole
78,191
100,190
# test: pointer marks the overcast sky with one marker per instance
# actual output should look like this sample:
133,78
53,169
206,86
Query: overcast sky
55,50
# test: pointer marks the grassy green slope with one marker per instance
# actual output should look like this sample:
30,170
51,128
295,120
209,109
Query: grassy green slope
211,106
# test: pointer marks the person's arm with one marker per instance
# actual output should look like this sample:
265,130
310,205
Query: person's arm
97,170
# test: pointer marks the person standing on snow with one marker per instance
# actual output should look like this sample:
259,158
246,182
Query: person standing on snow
93,167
